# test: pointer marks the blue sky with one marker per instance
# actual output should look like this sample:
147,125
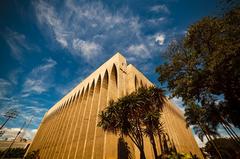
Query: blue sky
48,47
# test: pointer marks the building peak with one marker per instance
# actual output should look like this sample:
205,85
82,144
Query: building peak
118,54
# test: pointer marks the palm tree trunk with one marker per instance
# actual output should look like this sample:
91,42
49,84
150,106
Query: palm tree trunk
223,121
230,134
233,132
210,139
153,145
214,145
140,146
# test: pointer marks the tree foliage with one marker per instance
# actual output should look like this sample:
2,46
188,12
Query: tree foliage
195,116
135,115
33,155
13,153
227,148
203,67
121,118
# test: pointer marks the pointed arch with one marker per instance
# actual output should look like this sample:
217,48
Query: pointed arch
78,93
66,103
70,101
105,80
98,84
81,92
112,94
136,82
141,83
75,96
92,87
114,75
86,90
72,98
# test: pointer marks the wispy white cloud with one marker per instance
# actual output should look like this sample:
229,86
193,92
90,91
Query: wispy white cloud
39,79
18,43
47,16
139,50
62,41
88,49
37,109
160,9
87,29
157,21
66,33
5,87
13,76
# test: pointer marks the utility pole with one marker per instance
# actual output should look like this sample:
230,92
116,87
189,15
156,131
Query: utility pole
19,132
27,125
10,114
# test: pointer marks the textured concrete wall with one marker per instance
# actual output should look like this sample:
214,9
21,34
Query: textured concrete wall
69,129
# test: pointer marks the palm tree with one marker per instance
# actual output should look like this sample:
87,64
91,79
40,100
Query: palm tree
194,115
158,100
135,115
153,100
121,117
214,117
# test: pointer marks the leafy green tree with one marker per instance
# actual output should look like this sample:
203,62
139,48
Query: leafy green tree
33,155
227,147
215,118
202,69
205,64
13,153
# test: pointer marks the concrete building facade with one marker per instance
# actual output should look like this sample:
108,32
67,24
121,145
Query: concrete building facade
69,129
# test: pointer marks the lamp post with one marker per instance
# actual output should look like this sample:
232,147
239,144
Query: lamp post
10,114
